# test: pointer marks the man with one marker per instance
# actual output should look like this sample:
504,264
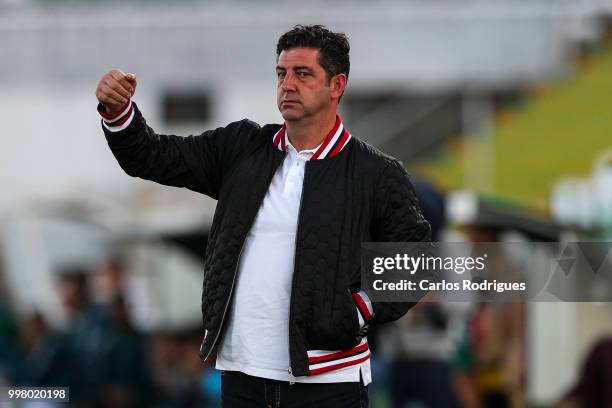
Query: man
281,293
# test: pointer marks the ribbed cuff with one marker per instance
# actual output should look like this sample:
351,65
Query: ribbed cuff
119,120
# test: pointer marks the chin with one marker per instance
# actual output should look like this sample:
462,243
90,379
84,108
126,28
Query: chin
290,114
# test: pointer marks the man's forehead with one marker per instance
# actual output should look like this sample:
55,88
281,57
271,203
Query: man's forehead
298,56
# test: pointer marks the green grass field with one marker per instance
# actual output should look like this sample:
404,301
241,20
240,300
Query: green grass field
557,132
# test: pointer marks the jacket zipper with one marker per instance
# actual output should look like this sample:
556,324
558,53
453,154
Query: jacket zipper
297,231
229,298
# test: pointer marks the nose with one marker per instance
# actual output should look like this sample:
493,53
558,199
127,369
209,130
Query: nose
288,82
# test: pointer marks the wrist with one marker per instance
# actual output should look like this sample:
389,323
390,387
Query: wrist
111,111
116,119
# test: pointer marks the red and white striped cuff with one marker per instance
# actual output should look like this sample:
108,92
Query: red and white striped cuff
365,311
120,119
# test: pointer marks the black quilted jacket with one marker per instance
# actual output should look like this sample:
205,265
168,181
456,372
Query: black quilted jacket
355,196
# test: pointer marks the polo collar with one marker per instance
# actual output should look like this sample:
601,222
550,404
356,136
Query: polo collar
334,142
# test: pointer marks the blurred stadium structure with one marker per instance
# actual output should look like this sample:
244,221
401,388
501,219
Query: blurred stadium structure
503,105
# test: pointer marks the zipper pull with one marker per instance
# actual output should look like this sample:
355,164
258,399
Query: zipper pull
291,377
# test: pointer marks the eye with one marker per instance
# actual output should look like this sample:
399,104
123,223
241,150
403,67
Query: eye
280,74
303,74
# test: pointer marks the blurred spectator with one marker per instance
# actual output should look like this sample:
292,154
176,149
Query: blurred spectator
432,205
127,382
210,385
47,360
490,360
206,386
181,380
9,337
166,367
594,386
420,346
109,280
88,337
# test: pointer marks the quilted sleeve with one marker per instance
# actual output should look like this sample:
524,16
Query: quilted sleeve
398,218
197,162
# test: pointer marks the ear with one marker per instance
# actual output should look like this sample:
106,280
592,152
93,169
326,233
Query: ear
337,85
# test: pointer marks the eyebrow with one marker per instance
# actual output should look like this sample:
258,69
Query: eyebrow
295,68
302,67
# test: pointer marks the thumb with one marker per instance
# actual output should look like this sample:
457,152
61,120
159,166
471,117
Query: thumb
130,77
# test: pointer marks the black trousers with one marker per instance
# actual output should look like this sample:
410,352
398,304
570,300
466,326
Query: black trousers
239,390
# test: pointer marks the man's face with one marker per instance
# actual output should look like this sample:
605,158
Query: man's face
302,86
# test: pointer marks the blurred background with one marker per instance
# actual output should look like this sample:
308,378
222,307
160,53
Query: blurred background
501,110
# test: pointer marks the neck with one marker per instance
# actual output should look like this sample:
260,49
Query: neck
308,133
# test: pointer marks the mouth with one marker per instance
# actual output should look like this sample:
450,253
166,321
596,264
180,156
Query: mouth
289,101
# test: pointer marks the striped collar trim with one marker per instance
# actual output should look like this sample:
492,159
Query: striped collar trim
334,142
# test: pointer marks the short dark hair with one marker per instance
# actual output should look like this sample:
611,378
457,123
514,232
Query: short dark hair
333,47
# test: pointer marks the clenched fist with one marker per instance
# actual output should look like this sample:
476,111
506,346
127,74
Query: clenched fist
114,89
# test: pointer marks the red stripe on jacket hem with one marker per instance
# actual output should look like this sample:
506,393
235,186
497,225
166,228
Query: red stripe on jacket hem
340,354
337,366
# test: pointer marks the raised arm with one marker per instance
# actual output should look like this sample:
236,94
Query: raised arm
199,163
